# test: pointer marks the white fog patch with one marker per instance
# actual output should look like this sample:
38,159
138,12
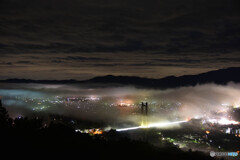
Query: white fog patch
119,104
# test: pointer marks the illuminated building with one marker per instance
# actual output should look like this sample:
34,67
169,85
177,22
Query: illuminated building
228,130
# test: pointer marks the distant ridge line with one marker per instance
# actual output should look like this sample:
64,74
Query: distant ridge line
221,76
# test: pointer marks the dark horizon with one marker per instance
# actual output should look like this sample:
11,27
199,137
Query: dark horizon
109,75
228,69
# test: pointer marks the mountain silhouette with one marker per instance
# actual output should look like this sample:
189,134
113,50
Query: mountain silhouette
221,76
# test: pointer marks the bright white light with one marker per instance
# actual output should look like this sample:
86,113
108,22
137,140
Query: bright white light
225,121
130,128
228,131
152,125
212,120
93,98
163,124
236,105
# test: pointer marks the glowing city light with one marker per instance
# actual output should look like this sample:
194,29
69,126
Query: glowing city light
125,103
236,105
93,98
223,121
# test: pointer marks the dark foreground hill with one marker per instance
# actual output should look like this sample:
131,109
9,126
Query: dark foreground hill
29,138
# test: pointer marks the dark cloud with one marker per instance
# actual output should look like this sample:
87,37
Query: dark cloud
57,61
146,64
235,59
81,26
25,62
81,58
119,34
107,65
149,64
6,63
180,60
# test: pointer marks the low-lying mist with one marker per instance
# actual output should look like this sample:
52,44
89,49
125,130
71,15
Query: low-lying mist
118,105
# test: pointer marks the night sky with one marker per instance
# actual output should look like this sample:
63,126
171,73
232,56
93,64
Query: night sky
81,39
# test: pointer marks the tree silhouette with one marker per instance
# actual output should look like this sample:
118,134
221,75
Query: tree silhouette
5,120
25,124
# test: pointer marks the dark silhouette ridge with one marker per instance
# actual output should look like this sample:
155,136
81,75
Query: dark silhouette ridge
221,76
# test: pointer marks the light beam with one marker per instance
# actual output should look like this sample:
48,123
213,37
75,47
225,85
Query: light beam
151,125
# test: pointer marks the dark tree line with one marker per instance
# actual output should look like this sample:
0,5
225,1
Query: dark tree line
28,136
